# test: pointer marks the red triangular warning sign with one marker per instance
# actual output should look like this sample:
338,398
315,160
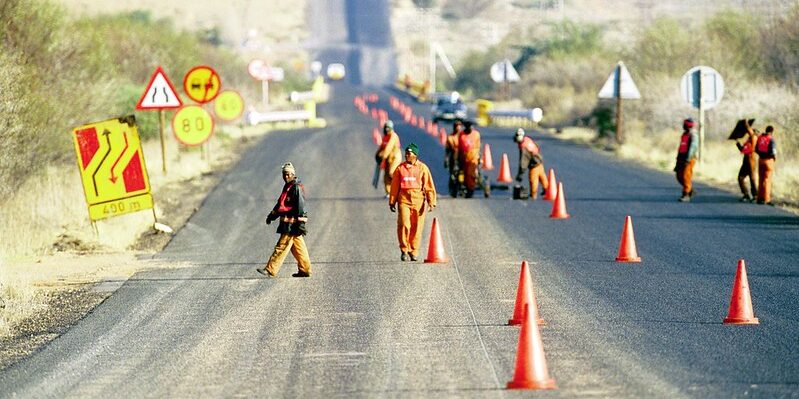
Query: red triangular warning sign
159,94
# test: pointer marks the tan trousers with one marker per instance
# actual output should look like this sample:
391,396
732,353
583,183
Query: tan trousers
765,168
286,243
685,173
747,171
410,223
537,175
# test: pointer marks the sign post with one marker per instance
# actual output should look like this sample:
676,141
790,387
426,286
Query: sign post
160,94
260,70
702,87
619,85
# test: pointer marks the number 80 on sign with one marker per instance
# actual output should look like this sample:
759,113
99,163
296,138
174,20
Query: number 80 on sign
192,125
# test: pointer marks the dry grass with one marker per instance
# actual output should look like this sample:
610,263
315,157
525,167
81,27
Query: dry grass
49,215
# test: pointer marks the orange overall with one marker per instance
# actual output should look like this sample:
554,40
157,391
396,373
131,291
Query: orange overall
391,154
767,157
530,154
469,157
411,187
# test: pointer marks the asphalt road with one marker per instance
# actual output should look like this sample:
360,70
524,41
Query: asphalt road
368,325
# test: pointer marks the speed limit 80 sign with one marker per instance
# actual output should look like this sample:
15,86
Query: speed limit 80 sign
192,125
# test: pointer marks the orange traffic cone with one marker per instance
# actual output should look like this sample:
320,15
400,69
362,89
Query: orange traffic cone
414,121
488,162
524,297
504,170
552,187
531,370
627,250
435,249
374,113
740,311
442,137
559,206
376,136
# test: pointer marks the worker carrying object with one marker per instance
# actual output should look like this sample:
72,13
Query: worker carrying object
686,159
530,158
766,150
290,210
748,164
413,194
389,153
469,156
451,157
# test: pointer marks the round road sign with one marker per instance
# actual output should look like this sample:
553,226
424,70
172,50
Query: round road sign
702,85
202,84
192,125
228,106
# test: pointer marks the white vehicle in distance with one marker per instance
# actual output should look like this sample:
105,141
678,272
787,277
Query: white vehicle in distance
336,71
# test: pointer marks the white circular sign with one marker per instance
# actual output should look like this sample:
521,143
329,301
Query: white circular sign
702,85
537,114
258,69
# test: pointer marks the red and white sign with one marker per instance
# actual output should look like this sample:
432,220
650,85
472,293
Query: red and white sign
260,70
159,94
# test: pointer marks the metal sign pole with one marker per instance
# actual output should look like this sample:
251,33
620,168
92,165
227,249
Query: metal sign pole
701,118
619,135
265,88
161,128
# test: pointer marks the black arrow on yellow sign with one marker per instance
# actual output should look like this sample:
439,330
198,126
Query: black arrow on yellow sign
107,135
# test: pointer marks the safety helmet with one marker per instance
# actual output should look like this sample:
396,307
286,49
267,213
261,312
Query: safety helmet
519,135
389,124
688,124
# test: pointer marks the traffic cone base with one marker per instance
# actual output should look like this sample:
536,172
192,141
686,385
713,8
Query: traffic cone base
740,310
544,384
435,249
627,250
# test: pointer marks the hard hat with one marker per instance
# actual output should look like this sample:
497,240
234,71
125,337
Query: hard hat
389,124
519,136
688,123
454,96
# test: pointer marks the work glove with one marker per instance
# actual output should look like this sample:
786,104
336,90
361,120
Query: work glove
519,177
378,159
393,207
270,218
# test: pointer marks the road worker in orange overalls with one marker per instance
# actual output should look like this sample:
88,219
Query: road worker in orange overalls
451,157
748,165
414,194
766,150
469,156
290,209
530,158
389,154
686,159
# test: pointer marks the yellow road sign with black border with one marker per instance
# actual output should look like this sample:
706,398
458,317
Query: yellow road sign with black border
112,168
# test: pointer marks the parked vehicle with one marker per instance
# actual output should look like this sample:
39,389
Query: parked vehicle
449,108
